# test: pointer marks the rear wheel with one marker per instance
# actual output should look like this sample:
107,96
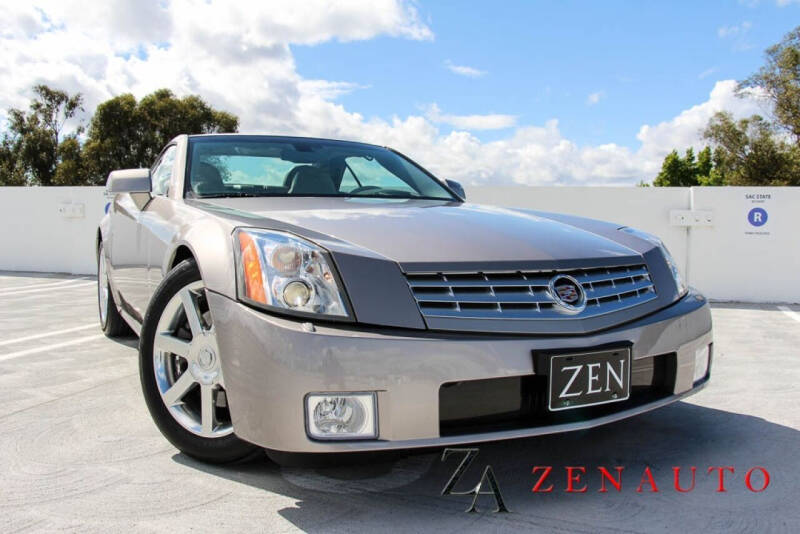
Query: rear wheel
180,371
111,321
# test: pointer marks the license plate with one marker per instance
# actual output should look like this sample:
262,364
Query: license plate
589,378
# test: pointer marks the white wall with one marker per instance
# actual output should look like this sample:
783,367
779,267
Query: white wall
730,260
734,259
38,232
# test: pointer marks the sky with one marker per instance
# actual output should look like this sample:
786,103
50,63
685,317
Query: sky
489,93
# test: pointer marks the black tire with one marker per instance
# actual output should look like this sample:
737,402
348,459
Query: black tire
114,325
217,450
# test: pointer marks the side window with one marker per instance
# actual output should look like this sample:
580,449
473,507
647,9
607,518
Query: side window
163,172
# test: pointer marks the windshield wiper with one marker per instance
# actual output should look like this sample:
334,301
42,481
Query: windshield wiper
402,198
396,195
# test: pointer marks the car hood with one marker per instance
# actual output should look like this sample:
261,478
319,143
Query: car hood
422,231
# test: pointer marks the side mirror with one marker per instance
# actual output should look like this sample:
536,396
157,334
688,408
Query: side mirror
129,181
457,188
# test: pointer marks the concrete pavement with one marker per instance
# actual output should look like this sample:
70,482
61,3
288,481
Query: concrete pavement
78,450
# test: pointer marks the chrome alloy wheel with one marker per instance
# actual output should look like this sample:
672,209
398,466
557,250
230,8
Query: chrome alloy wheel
102,287
187,367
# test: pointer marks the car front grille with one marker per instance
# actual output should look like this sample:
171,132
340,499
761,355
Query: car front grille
525,294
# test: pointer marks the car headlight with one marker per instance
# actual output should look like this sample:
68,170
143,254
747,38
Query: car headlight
676,273
283,271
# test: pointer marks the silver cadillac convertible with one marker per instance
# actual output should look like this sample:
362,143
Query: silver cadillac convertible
315,296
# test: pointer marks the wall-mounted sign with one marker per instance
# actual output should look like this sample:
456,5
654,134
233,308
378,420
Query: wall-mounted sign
757,213
757,216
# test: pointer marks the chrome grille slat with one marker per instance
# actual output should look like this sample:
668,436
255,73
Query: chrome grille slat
603,277
472,283
515,298
524,294
616,289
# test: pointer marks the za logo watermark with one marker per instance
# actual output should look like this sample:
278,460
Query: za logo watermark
577,478
487,485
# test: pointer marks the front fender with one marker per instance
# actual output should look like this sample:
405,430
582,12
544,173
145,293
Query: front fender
103,230
209,241
105,235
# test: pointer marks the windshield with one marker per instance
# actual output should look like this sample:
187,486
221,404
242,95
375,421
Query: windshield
247,166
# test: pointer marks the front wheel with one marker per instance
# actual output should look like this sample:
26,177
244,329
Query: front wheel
180,371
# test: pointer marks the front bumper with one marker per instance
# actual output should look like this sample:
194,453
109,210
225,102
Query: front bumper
270,363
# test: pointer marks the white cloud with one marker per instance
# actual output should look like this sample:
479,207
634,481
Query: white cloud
492,121
328,90
463,70
238,57
594,98
706,73
733,30
685,129
532,154
737,34
780,3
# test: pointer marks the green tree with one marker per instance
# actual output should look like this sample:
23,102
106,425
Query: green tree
672,170
749,151
709,171
32,145
679,171
71,169
752,151
124,133
780,79
12,171
113,138
705,164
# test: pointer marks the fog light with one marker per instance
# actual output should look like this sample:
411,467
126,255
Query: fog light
701,363
341,416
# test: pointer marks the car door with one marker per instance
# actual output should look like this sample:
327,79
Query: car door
131,233
155,219
128,252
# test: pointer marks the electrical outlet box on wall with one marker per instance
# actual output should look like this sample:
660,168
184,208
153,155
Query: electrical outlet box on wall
72,210
691,218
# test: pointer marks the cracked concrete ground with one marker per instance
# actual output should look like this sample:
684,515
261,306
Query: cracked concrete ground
78,450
